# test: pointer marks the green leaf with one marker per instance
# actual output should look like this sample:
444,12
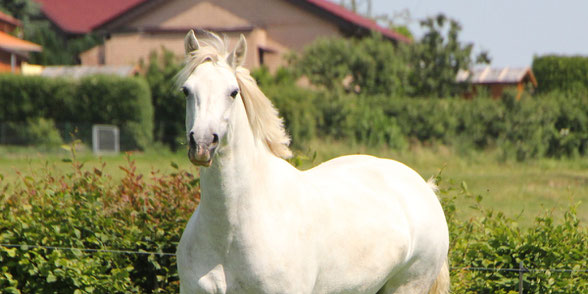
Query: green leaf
51,278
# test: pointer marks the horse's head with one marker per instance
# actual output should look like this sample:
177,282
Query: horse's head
210,88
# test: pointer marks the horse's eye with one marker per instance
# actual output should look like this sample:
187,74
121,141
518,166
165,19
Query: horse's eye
185,91
234,93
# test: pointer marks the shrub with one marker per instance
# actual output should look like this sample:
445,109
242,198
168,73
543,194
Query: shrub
125,102
84,209
484,250
39,132
166,98
561,73
96,99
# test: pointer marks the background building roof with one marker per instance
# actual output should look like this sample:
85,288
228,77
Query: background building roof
9,19
16,45
488,75
81,16
356,19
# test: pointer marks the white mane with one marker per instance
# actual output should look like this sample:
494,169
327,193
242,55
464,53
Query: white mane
263,117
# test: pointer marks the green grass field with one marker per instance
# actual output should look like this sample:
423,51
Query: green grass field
520,190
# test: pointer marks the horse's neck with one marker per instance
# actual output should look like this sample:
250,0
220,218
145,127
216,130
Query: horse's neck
240,166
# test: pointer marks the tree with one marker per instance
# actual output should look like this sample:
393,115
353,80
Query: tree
438,56
370,65
23,10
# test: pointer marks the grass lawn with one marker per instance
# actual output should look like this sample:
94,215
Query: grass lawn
520,190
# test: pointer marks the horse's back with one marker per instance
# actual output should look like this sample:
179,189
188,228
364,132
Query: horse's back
379,206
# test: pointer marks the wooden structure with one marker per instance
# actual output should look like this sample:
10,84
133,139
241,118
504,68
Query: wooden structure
495,80
135,28
13,50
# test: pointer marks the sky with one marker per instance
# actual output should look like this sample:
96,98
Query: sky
512,31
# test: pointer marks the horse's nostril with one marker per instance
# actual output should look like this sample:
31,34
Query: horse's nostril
214,138
192,141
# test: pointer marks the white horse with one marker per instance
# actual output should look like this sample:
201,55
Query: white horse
355,224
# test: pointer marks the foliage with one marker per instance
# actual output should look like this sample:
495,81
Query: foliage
553,125
57,49
375,66
38,131
378,67
22,10
96,99
325,62
167,100
561,73
486,251
369,66
437,57
84,210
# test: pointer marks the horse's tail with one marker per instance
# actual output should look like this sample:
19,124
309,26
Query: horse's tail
432,182
442,283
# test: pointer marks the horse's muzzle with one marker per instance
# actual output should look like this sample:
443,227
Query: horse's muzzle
201,153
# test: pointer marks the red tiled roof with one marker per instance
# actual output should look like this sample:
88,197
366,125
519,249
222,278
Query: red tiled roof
357,19
9,19
81,16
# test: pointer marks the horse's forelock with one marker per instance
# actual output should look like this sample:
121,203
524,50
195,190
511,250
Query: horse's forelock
212,48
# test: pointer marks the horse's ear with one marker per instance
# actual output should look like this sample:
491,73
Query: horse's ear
190,42
237,57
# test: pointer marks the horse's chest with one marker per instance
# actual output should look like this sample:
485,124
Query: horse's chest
241,266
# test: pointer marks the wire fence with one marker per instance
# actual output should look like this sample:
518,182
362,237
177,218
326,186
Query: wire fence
114,251
521,269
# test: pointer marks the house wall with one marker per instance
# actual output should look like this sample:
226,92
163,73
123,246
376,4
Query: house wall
5,62
131,48
278,25
285,23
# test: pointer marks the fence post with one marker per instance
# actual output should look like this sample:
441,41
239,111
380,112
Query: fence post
521,269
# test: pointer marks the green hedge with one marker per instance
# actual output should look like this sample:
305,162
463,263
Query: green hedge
68,103
561,73
486,249
85,209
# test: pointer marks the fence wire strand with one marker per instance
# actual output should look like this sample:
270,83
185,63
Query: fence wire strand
524,270
116,251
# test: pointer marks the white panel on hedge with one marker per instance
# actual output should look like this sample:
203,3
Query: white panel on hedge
105,139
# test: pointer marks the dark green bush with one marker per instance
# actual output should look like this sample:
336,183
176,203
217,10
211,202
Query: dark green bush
167,99
486,251
125,102
561,73
553,124
85,209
